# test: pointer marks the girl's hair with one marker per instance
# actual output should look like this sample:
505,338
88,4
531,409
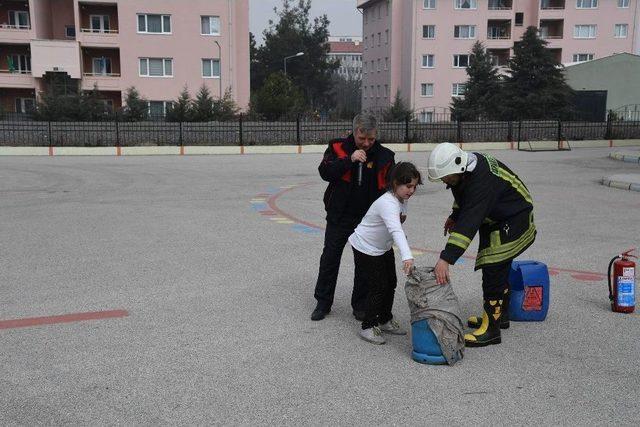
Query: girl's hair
402,173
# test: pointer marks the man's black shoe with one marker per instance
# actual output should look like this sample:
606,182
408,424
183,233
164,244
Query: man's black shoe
319,313
359,315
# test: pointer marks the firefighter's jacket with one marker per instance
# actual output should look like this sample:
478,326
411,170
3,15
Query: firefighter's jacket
490,199
343,198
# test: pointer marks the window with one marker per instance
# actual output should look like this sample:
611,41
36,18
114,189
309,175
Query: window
378,91
460,61
623,3
365,42
107,104
428,61
210,25
466,4
101,66
158,108
25,105
211,68
386,36
426,116
160,24
386,63
19,19
100,23
386,91
464,31
519,19
426,89
70,31
378,64
428,31
586,4
621,31
379,39
582,57
457,89
584,32
364,91
19,63
429,4
156,67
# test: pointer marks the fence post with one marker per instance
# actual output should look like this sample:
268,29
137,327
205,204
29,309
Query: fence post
50,135
298,129
459,131
406,129
180,136
117,131
519,132
559,131
241,139
510,131
608,132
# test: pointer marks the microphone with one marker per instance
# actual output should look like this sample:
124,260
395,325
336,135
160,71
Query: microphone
359,179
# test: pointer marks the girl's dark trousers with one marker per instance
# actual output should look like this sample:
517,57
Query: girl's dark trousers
380,274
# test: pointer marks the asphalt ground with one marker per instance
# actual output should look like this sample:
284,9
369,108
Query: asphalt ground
214,259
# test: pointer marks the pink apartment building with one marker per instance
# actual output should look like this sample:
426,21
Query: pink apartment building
421,47
158,46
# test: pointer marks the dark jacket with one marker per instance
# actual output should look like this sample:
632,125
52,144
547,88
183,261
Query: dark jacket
336,168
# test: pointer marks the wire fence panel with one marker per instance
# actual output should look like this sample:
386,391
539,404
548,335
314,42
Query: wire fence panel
485,132
625,130
83,134
537,131
24,133
578,131
269,133
211,133
322,133
432,132
148,133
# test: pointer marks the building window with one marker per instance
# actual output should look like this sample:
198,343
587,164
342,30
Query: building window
365,42
386,91
464,31
156,67
378,64
101,66
586,4
373,40
428,61
70,31
582,57
466,4
157,24
460,61
386,36
364,91
211,68
623,3
426,89
379,39
158,108
25,105
457,89
429,4
19,19
584,32
519,19
100,23
428,31
378,91
20,64
621,31
386,63
426,117
210,25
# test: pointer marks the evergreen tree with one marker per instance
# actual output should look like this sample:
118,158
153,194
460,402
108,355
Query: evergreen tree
348,96
202,110
277,97
136,107
535,87
181,109
225,108
482,89
91,105
399,110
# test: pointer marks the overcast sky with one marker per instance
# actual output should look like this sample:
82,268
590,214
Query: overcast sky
345,19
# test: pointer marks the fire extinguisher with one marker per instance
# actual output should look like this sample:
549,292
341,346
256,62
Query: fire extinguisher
622,291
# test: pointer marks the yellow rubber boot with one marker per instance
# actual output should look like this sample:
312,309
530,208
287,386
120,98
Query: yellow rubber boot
476,321
489,331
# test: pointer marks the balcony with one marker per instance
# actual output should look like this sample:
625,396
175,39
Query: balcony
100,67
15,66
499,57
499,29
99,25
15,21
557,54
500,4
551,29
552,4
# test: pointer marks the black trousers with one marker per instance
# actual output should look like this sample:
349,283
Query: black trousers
495,279
380,274
335,238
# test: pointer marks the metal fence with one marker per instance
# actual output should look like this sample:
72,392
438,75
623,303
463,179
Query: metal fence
299,131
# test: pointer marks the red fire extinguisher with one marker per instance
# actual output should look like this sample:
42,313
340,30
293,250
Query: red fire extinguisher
622,291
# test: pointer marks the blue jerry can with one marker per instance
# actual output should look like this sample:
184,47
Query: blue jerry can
529,283
426,348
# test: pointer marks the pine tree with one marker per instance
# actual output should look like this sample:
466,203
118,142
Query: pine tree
278,97
482,89
535,87
225,108
91,104
181,109
136,107
203,105
399,110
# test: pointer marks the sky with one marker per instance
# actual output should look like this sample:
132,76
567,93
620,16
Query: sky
345,19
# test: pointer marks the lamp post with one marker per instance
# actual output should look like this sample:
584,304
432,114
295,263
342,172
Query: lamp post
219,68
289,57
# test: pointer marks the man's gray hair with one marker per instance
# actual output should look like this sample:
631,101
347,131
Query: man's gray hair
365,122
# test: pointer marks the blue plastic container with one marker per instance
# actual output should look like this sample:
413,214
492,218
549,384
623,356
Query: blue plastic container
529,282
426,348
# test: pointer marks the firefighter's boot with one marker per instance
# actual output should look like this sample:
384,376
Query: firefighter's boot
476,321
489,331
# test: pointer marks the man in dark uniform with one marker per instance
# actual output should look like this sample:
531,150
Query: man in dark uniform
490,199
356,169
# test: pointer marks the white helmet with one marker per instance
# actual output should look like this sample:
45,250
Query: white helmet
446,159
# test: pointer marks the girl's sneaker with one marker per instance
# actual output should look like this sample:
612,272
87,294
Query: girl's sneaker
372,335
392,327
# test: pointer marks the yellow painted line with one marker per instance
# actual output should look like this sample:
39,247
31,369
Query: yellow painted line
287,221
277,219
257,200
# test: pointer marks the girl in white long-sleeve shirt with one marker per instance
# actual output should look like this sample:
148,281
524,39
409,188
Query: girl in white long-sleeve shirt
372,243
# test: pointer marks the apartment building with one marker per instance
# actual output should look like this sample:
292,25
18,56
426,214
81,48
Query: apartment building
157,46
420,48
347,50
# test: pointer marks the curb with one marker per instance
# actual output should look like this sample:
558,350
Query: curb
620,184
625,157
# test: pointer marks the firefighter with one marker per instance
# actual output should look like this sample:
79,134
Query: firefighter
489,199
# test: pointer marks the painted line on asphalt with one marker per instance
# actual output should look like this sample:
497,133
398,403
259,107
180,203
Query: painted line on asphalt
273,194
64,318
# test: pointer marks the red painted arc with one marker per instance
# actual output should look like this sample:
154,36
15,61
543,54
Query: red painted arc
273,198
64,318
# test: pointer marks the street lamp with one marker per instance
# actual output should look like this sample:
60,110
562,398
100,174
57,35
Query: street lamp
289,57
219,68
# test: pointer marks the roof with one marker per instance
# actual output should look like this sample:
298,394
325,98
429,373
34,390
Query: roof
604,58
345,47
367,3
